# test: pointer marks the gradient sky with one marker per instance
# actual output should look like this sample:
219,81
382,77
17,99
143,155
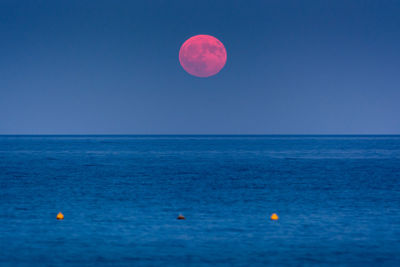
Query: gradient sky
112,67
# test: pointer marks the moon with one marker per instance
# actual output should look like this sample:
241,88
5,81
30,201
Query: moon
202,55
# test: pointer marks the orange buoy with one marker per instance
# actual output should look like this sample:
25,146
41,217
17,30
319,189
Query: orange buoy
60,216
274,217
181,217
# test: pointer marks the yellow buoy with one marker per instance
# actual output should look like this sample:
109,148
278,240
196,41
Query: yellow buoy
274,217
60,216
181,217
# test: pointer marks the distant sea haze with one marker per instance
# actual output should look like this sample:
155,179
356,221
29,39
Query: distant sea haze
337,198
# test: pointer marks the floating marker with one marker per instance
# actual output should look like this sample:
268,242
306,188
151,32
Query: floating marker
181,217
274,217
60,216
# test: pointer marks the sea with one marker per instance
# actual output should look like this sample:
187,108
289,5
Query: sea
337,199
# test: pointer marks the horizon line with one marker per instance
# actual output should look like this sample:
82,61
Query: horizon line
210,134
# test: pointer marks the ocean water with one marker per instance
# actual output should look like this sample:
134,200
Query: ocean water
337,197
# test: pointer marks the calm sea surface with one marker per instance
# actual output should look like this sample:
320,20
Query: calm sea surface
337,197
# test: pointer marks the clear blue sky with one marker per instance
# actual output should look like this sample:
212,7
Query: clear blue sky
111,67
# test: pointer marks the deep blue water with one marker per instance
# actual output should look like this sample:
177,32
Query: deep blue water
337,197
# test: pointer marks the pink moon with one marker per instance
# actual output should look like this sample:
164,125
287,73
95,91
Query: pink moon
202,55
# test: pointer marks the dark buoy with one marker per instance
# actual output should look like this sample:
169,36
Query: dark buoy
181,217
